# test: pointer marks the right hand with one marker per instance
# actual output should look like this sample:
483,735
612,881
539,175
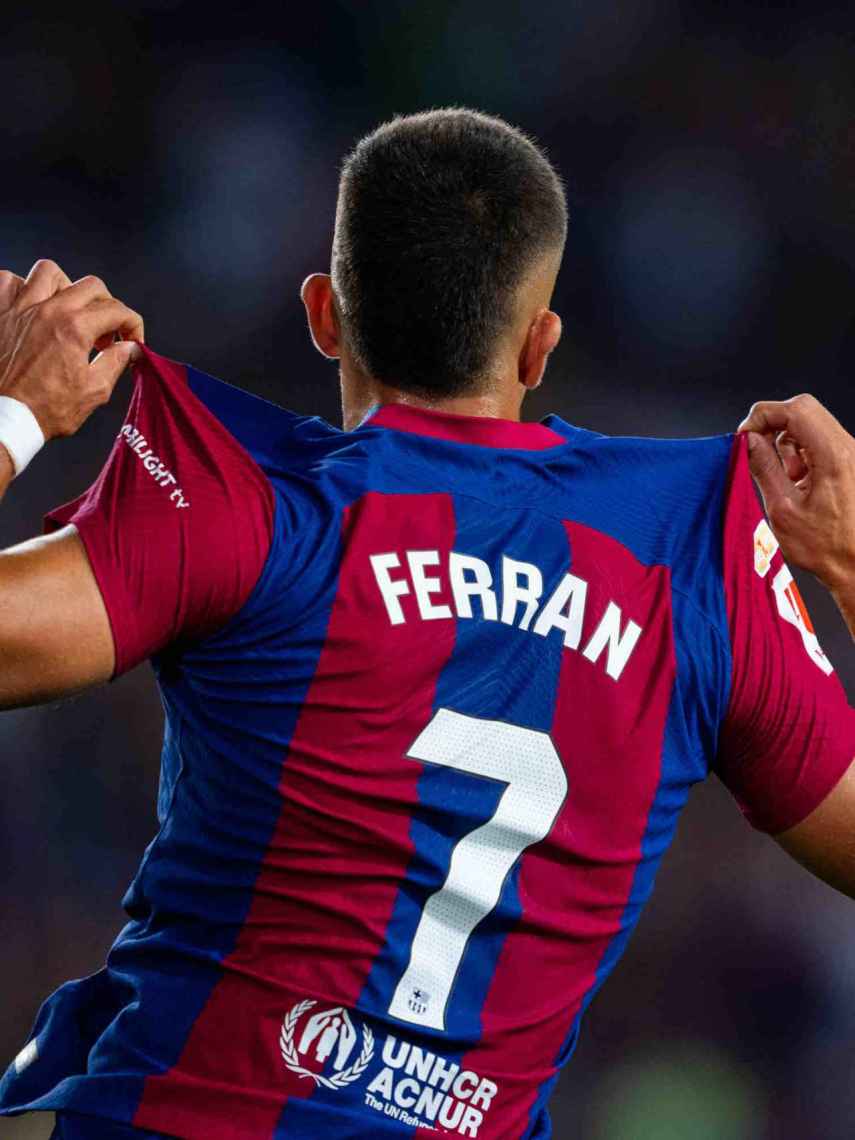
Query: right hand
48,328
804,463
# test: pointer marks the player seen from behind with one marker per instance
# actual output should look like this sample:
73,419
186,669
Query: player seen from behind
436,685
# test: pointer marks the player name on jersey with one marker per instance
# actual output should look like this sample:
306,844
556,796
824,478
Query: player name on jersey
516,599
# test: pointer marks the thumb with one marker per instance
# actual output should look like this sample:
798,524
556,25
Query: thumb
109,365
766,468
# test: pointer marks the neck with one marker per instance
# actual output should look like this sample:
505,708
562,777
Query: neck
358,396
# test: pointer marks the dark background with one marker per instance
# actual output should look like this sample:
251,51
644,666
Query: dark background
189,156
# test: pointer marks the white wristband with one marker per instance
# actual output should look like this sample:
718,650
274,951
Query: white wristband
20,433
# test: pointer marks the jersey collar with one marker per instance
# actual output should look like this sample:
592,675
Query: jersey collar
483,431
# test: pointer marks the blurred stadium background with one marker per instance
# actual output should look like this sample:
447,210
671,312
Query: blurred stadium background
189,155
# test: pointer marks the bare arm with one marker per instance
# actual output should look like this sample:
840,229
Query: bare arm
55,636
844,596
824,842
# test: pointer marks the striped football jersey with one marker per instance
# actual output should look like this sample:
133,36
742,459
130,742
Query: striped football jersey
436,690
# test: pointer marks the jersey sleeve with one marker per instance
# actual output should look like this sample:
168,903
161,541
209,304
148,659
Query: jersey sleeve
788,734
179,522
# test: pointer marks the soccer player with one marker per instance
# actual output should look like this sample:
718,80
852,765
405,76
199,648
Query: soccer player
436,685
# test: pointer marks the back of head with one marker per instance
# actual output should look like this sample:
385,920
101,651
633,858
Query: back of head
441,214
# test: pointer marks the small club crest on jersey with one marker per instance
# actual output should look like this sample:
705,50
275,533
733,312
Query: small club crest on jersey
419,1000
327,1038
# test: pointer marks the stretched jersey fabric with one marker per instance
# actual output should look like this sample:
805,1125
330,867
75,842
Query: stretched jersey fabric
436,690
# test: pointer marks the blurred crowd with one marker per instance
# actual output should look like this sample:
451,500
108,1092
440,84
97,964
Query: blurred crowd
189,155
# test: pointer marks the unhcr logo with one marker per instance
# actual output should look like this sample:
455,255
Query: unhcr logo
414,1085
327,1035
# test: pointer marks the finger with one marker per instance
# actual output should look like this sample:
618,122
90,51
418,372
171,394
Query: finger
84,290
767,416
804,419
778,415
107,316
43,280
10,287
766,468
792,459
105,341
108,366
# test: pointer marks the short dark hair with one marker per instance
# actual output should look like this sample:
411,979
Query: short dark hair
440,216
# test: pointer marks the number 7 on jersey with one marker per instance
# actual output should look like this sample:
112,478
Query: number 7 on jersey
526,761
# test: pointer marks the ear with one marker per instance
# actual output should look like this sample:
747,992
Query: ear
316,293
544,333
